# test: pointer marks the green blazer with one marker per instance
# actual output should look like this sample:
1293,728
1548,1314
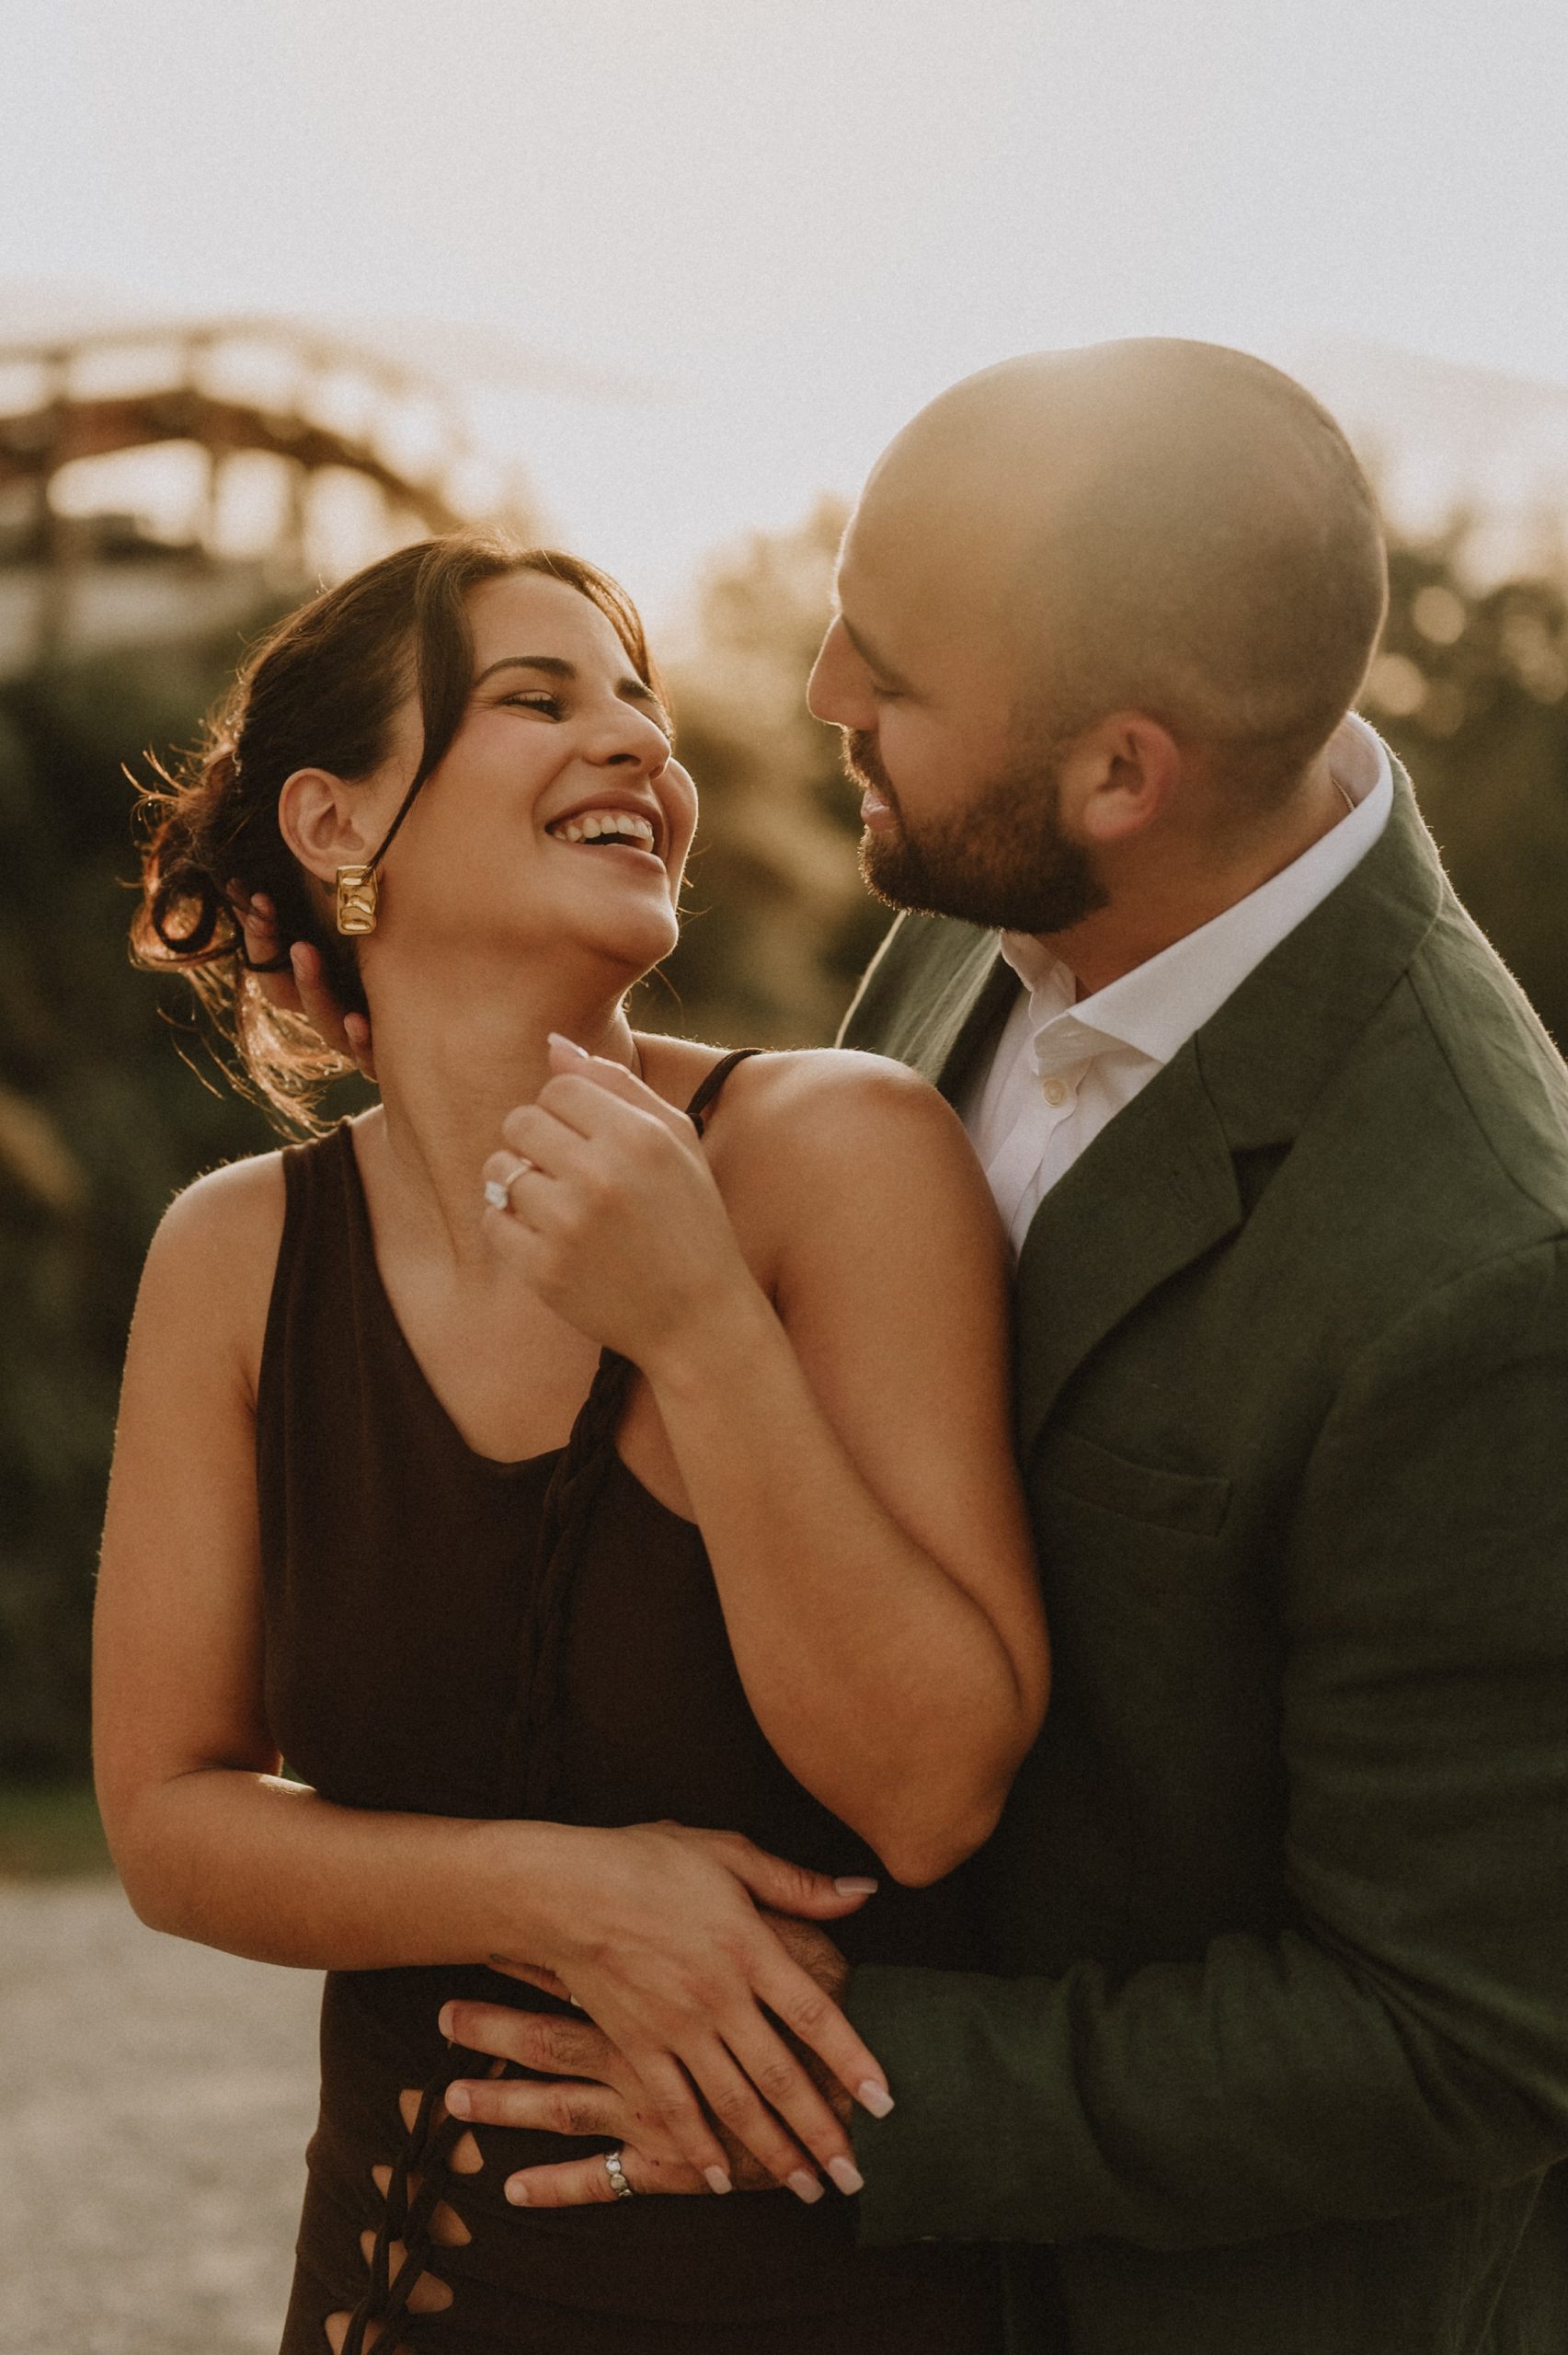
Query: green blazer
1274,2059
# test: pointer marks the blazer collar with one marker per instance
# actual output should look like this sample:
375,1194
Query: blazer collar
1158,1186
962,1010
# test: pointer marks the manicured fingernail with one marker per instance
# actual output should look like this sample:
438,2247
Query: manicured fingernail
446,2019
570,1045
296,955
459,2101
717,2179
874,2097
846,2175
856,1885
805,2187
262,906
517,2191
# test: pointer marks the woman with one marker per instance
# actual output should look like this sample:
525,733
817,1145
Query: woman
772,1577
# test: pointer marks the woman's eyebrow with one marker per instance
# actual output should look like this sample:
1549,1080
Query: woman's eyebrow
552,664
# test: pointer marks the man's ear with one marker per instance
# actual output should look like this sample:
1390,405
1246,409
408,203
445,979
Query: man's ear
321,819
1117,777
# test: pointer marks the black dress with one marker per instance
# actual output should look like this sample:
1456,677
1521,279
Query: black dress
453,1635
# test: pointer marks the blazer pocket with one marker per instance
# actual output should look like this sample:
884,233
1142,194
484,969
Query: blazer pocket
1194,1503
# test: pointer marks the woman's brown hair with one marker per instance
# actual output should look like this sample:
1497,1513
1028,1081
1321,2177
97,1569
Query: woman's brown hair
321,691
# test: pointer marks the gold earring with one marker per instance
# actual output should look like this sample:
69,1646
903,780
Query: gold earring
358,897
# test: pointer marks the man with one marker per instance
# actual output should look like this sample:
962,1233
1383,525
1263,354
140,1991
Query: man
1274,2059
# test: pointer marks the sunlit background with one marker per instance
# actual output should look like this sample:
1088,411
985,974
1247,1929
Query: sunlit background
283,284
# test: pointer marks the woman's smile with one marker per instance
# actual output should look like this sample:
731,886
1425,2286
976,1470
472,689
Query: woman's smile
611,821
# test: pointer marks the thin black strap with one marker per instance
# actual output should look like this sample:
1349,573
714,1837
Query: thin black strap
708,1093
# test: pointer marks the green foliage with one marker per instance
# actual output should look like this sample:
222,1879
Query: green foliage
49,1831
101,1121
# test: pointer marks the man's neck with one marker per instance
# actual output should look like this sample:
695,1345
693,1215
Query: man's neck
1168,889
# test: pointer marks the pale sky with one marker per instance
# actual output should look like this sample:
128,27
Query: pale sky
789,221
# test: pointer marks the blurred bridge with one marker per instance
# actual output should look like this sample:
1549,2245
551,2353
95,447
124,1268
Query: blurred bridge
159,481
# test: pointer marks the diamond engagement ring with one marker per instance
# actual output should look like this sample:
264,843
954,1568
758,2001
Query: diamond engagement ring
614,2169
497,1194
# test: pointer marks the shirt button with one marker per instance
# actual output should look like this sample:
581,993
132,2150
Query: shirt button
1054,1090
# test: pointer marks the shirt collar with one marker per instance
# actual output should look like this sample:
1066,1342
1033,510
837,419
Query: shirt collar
1156,1008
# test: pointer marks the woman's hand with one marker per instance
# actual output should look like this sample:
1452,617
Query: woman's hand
584,2085
606,1201
659,1940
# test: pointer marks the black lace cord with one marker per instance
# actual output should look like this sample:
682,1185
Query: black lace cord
426,2150
533,1745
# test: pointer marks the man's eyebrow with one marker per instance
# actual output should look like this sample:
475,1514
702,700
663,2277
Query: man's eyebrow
555,667
869,653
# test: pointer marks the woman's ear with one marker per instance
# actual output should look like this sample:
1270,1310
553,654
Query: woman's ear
320,817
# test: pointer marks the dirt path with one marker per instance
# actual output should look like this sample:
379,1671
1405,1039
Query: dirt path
154,2105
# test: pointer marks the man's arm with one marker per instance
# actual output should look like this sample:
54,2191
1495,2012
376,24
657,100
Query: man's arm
1408,2040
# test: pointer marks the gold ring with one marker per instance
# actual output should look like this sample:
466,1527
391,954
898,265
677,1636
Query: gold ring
616,2173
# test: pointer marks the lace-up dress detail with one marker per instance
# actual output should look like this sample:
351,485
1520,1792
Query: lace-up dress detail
448,1635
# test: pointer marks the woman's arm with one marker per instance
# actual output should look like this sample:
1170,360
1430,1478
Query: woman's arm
211,1843
846,1444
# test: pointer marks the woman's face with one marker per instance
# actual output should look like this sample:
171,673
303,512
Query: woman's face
557,816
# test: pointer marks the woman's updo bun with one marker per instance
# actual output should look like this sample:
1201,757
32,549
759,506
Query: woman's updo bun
321,691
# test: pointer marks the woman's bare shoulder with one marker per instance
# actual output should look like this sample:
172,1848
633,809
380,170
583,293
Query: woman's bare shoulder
850,1134
211,1262
232,1208
840,1100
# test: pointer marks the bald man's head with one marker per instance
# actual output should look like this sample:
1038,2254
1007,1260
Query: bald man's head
1161,526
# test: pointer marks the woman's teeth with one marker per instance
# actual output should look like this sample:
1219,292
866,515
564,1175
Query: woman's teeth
602,825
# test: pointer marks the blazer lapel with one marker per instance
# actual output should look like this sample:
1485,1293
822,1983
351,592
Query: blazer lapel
966,988
978,1018
1158,1186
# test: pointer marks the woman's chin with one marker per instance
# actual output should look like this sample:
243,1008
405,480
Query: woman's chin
628,936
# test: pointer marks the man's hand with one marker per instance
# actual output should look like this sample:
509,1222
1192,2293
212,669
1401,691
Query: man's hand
303,988
594,2090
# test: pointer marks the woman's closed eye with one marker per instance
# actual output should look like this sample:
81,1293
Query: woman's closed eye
537,700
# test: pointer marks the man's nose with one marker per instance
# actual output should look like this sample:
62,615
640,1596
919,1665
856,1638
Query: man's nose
834,692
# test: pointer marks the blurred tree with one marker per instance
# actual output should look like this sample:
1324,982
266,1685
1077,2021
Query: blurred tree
777,926
100,1121
1472,690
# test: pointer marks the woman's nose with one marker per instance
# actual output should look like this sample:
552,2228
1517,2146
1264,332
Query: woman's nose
625,737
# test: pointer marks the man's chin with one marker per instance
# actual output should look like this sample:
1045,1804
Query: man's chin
894,872
890,875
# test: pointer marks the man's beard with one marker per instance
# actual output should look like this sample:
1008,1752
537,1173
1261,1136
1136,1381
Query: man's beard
1003,861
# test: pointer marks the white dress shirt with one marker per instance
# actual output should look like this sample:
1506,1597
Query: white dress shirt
1065,1065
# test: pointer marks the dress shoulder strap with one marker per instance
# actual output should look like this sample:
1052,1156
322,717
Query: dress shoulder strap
707,1095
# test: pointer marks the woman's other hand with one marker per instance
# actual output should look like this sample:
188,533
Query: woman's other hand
660,1942
606,1200
301,986
584,2085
